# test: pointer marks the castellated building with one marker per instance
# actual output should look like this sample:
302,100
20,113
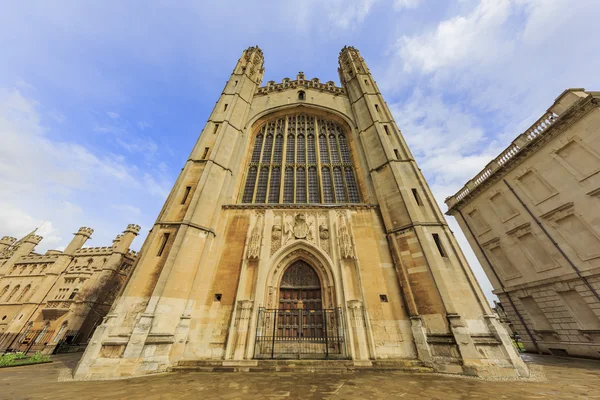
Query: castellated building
60,297
532,217
300,228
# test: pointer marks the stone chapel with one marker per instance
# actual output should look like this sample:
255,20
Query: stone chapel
300,228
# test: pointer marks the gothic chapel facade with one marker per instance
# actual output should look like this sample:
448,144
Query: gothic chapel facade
300,228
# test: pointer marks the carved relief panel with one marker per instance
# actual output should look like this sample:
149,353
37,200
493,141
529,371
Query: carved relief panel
311,226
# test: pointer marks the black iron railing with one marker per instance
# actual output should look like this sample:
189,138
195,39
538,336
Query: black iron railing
300,334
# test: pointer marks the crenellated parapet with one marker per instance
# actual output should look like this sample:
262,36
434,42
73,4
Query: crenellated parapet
133,228
30,259
8,240
85,231
299,83
132,254
94,250
35,239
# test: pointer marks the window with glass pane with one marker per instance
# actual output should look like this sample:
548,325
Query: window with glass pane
289,145
250,182
261,191
300,185
288,186
338,181
274,185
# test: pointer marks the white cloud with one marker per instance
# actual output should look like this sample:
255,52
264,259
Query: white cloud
128,209
144,125
400,4
45,181
113,114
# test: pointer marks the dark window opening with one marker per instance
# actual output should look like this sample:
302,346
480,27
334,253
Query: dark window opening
186,194
216,129
397,154
218,296
205,153
165,239
225,108
235,83
366,82
438,243
383,298
386,130
377,109
72,296
243,69
417,197
301,95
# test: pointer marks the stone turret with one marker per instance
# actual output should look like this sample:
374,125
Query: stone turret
82,235
123,240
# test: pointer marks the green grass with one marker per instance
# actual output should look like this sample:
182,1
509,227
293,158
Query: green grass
20,358
519,346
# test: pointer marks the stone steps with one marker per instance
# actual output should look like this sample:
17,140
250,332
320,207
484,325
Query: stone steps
328,366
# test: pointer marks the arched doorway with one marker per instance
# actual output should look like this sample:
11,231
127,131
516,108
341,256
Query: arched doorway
300,288
300,328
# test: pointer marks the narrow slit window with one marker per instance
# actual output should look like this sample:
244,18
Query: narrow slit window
205,153
225,108
163,244
397,153
216,129
186,194
366,82
73,294
387,131
235,83
438,243
417,197
377,109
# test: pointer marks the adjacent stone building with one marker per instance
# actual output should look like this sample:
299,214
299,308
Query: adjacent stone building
61,296
532,216
300,227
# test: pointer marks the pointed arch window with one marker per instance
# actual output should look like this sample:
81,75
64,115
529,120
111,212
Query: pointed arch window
307,155
23,293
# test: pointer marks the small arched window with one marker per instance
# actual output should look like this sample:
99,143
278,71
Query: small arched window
14,291
301,95
24,292
3,292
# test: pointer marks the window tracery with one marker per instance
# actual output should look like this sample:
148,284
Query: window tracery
308,156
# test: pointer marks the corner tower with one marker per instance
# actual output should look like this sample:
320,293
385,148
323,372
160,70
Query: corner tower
300,227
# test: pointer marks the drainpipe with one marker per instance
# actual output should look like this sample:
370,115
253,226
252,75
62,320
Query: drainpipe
554,242
501,284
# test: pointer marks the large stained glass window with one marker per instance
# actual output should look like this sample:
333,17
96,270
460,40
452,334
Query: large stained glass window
307,155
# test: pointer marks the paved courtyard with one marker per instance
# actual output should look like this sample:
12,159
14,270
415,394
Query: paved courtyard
564,379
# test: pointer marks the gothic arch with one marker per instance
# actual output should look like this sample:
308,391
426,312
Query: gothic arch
256,121
286,256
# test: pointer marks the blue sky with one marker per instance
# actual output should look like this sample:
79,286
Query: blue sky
101,102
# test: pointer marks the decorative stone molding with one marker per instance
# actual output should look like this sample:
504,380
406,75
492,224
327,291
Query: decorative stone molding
559,212
520,230
292,206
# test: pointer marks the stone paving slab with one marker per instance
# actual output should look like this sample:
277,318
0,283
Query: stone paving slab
566,379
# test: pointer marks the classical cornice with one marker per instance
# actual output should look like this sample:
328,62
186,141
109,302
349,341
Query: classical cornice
539,134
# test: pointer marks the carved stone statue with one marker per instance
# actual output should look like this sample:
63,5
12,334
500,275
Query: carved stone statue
323,232
254,245
346,249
